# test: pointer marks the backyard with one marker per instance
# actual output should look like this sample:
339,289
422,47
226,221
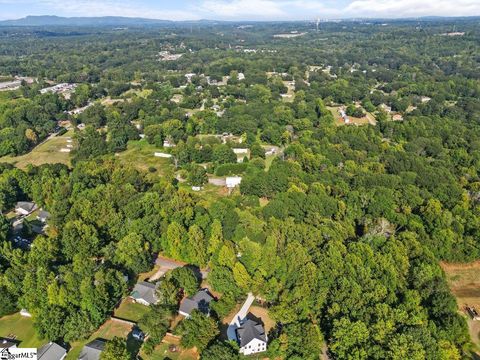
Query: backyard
464,281
20,328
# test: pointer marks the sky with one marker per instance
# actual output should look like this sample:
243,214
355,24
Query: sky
240,9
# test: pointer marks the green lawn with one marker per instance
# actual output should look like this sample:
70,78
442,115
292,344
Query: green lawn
22,328
129,310
141,155
46,153
107,331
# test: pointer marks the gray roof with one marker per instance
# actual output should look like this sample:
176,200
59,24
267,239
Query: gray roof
92,350
5,343
51,351
25,205
43,214
146,291
200,301
250,330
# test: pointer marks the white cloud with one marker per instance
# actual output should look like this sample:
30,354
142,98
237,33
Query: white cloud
413,8
243,9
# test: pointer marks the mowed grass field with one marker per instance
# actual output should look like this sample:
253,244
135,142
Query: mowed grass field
22,329
129,310
47,152
140,154
107,331
464,281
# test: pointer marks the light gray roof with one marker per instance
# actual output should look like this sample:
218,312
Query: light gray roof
200,301
51,351
92,350
146,291
25,205
250,330
43,214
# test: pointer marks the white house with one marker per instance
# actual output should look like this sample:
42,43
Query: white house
233,181
168,144
240,151
251,338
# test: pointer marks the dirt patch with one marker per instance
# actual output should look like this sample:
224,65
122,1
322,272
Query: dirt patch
262,314
464,282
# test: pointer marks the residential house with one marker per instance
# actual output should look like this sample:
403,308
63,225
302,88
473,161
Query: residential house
7,344
51,351
92,350
240,151
168,144
200,301
145,293
233,181
43,216
25,208
251,337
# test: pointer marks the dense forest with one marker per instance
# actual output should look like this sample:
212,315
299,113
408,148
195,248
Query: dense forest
340,234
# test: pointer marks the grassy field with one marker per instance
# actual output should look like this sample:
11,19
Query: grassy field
464,281
47,152
22,329
107,331
129,310
141,155
209,194
367,119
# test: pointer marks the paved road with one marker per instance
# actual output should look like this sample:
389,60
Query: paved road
239,316
166,264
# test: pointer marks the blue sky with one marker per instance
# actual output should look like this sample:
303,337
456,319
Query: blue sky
240,9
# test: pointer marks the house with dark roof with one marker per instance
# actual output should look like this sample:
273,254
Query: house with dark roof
200,301
51,351
92,350
7,343
145,293
251,337
25,208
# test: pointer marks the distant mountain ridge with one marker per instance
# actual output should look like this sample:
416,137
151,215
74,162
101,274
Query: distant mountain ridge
120,21
50,20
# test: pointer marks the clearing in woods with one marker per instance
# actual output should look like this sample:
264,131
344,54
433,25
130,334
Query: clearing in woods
47,152
464,281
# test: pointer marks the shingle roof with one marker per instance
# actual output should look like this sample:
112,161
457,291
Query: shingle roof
5,344
146,291
250,330
92,350
200,301
51,351
25,205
